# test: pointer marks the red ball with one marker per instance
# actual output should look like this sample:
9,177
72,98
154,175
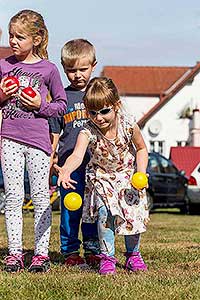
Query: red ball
29,91
11,80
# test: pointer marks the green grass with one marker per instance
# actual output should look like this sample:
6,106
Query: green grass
170,247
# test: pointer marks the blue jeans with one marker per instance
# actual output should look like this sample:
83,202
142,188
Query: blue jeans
106,232
70,222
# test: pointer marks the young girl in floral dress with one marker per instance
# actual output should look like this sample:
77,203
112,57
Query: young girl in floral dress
117,151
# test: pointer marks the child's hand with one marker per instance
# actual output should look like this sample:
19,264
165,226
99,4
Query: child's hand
31,103
64,178
146,221
7,91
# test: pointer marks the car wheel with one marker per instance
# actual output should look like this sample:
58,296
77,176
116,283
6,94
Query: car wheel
149,201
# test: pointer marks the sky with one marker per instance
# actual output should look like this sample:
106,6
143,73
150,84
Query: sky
124,33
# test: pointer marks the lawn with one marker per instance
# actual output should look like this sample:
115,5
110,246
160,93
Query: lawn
171,248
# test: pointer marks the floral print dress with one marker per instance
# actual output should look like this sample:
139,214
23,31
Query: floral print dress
108,179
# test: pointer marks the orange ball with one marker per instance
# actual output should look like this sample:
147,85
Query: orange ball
72,201
139,180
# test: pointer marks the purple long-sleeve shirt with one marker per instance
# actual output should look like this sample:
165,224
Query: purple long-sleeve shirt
31,127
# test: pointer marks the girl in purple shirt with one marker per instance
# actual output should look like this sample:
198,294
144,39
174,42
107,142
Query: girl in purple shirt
25,133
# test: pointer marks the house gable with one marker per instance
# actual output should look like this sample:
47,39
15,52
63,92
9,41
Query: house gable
170,93
163,82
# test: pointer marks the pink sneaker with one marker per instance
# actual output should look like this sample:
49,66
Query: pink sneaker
14,263
134,262
107,264
40,263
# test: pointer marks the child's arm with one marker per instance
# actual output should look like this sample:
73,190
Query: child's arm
55,128
6,92
54,141
58,106
73,162
54,144
54,155
141,159
39,104
141,150
2,96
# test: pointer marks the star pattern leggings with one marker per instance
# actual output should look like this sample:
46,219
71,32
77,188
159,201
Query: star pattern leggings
14,157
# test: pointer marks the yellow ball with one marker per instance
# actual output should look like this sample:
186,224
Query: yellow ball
139,180
72,201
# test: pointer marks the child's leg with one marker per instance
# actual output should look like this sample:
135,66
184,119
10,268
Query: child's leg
69,226
38,169
132,243
134,261
70,220
107,241
106,232
90,238
89,230
12,161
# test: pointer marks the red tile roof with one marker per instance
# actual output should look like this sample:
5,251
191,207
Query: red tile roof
137,80
5,52
185,158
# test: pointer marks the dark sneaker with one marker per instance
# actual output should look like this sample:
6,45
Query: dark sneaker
39,263
92,260
107,265
74,260
134,262
14,263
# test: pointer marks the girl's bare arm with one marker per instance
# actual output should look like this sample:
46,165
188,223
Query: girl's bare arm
72,162
141,150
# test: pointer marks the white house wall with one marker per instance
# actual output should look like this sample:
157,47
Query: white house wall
138,106
173,128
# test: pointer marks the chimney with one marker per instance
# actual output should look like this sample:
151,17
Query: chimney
195,130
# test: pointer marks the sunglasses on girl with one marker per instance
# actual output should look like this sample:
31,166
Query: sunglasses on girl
103,111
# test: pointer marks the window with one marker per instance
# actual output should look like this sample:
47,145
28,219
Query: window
152,146
157,146
181,143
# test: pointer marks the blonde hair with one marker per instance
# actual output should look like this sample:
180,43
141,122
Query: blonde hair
33,24
75,50
100,92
